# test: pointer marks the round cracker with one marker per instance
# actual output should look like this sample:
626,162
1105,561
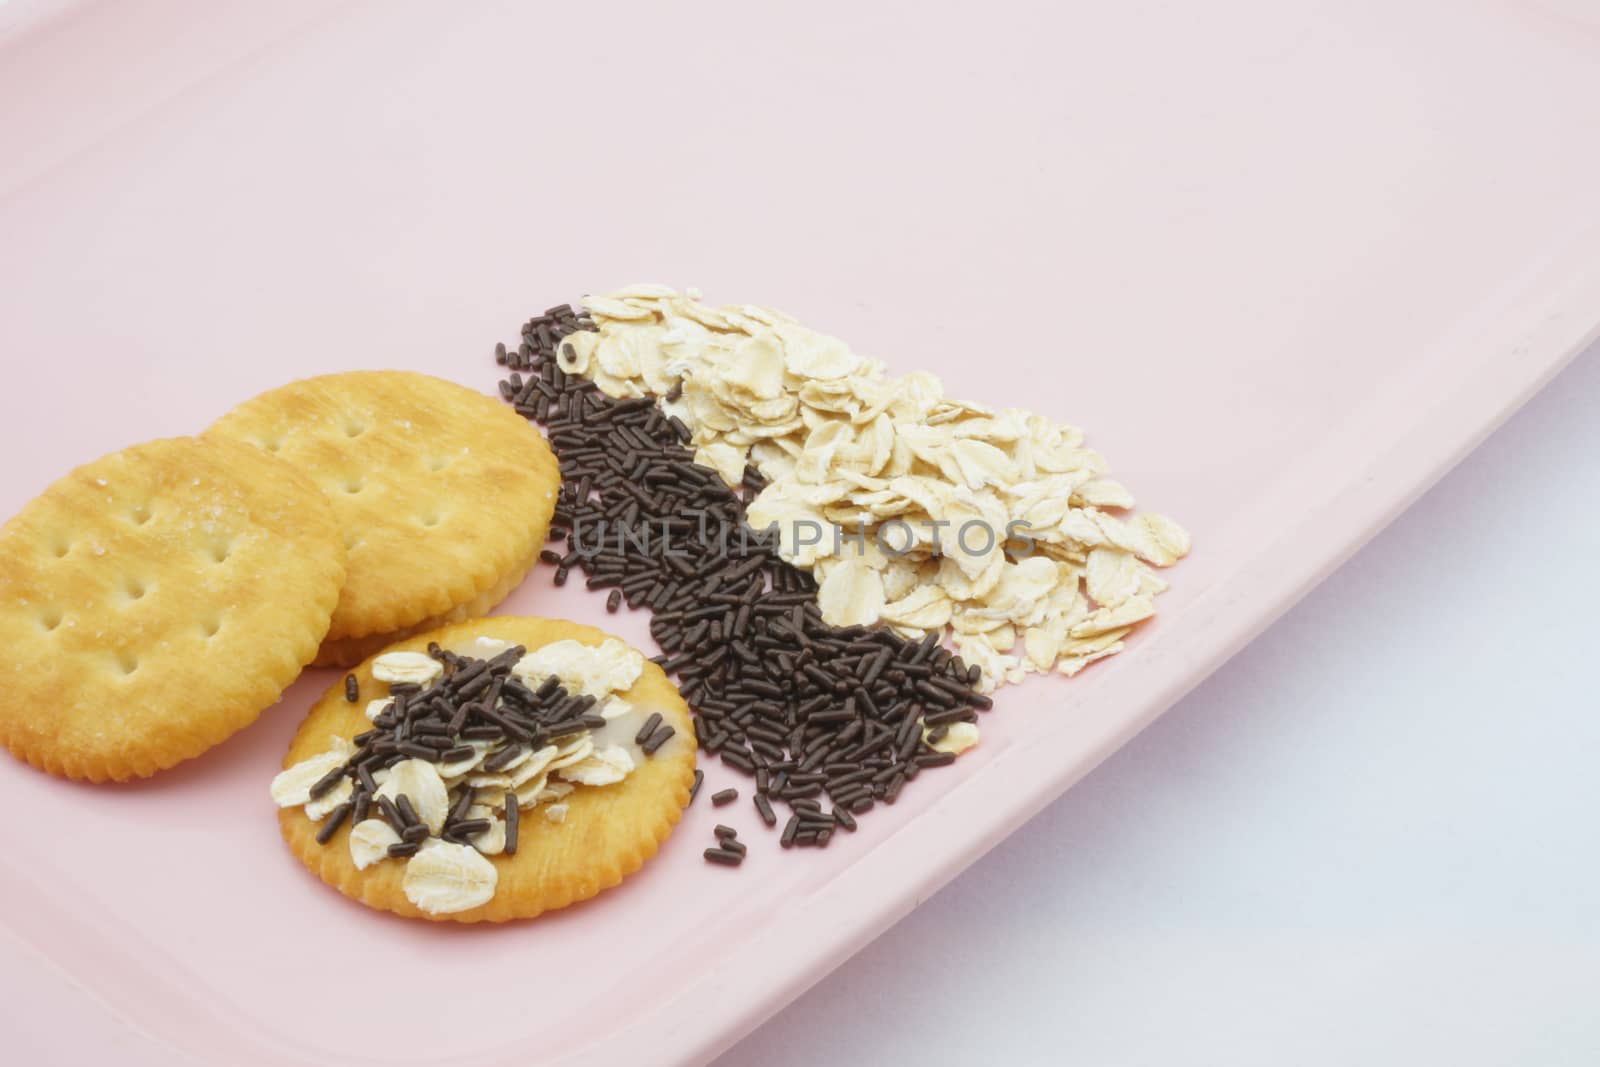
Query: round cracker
347,651
609,831
157,600
442,492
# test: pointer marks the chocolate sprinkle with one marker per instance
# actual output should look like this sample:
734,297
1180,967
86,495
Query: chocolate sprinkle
331,824
326,782
513,816
407,812
648,728
661,736
764,807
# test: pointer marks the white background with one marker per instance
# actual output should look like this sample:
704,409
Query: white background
1372,838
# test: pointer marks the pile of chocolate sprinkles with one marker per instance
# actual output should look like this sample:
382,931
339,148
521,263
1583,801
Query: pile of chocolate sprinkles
809,710
474,700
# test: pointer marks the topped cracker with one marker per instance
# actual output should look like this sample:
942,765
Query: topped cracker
607,804
157,600
441,492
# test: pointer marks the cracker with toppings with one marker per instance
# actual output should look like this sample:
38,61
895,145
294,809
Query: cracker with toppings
492,828
157,600
444,496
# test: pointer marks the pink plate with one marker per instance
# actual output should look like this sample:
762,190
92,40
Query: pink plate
1285,260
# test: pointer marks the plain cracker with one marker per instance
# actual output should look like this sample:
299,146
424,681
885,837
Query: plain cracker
157,600
345,652
442,492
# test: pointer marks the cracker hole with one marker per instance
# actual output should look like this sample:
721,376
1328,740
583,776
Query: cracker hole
61,548
354,486
135,589
220,553
272,444
430,520
50,619
140,514
127,662
354,429
210,628
351,540
438,463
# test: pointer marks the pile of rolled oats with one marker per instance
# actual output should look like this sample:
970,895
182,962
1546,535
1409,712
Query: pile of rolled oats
912,509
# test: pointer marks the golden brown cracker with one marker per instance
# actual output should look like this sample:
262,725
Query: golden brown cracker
345,652
157,600
608,833
442,492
